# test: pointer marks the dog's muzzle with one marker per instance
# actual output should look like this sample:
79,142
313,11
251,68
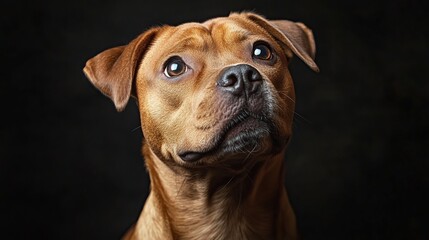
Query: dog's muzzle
242,89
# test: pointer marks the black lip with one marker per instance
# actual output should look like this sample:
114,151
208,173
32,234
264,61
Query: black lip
190,156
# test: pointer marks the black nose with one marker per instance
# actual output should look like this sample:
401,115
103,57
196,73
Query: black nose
240,79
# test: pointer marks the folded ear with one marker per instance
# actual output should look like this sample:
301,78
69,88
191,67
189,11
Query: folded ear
113,70
296,36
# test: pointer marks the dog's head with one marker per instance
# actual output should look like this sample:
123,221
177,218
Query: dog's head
209,93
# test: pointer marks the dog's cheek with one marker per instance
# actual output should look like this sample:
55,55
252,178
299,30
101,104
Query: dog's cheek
163,126
280,77
150,111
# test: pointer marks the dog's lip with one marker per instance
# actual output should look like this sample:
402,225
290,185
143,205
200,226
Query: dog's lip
193,156
190,156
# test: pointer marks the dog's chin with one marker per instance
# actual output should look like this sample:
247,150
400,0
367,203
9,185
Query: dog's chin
251,136
235,147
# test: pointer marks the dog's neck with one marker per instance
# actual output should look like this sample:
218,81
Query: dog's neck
215,205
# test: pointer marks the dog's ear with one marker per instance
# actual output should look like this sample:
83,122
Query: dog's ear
294,35
113,70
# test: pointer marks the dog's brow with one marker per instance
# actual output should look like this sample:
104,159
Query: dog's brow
241,35
236,35
192,42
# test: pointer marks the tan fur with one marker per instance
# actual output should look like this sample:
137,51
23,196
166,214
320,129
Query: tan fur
228,194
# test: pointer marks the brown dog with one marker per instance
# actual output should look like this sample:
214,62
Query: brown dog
216,103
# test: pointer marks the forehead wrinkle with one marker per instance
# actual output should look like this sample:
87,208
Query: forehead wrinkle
239,35
194,37
196,43
230,32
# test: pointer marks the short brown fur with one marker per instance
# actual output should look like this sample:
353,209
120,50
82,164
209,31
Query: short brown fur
235,189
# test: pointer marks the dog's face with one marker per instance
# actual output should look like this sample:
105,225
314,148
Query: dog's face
209,94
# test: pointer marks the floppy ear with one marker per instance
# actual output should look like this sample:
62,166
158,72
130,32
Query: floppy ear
113,70
295,36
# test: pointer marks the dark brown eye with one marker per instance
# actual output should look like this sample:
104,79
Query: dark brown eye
262,51
174,67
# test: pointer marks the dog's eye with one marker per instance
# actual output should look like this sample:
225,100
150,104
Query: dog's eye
174,67
262,51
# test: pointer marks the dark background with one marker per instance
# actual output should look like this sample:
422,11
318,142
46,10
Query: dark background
358,164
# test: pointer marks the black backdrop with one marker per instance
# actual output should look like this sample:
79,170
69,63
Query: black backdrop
357,167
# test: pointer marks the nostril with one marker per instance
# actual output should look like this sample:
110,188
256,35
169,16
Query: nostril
240,79
231,80
252,75
228,81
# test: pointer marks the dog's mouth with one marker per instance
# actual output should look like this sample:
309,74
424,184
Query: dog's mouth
242,133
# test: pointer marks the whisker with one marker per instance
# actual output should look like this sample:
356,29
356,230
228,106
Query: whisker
250,152
284,94
303,118
296,113
135,129
224,186
181,185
